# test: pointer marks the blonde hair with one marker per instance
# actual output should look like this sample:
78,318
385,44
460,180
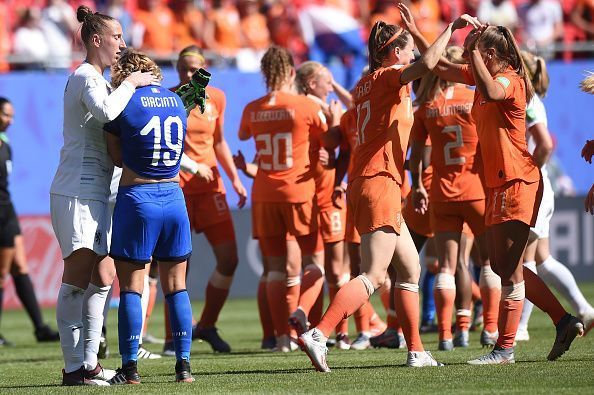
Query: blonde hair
587,84
537,71
130,61
506,50
276,66
305,74
384,38
431,86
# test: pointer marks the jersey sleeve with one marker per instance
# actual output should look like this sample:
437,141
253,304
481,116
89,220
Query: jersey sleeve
344,125
468,76
102,105
391,77
535,112
508,83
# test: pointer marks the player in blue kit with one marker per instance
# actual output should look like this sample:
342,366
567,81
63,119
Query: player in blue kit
150,217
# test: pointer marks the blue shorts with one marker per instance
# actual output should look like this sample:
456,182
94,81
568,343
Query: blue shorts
151,220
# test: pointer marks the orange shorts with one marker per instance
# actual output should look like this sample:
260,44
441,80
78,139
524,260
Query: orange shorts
270,219
453,216
351,234
516,200
417,222
209,213
375,203
332,223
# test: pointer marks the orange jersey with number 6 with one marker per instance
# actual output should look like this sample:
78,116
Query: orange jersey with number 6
284,126
384,120
448,122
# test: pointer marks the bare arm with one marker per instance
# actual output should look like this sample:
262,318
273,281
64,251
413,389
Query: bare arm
343,95
489,89
544,143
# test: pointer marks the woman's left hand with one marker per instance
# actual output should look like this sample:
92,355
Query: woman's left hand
407,18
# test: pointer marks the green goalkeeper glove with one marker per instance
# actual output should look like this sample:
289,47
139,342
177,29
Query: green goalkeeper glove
194,92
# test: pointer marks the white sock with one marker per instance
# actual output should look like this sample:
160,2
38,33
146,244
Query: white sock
69,320
528,305
107,305
92,317
555,274
144,300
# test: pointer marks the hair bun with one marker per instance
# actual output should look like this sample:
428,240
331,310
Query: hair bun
82,13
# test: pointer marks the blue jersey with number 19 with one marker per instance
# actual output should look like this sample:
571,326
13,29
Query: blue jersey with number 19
152,128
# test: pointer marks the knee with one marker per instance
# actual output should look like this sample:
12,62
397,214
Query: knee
227,265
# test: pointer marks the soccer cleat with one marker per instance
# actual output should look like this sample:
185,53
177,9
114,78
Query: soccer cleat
361,342
588,320
5,343
150,339
388,339
401,341
298,321
497,356
330,342
99,373
103,352
268,343
446,345
284,343
211,336
567,329
489,339
127,374
183,372
343,342
420,359
314,345
143,353
522,335
461,338
46,334
79,377
168,349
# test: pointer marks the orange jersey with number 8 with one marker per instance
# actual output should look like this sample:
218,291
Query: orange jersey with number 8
283,125
384,119
448,122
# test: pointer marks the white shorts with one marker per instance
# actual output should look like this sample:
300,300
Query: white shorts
110,207
545,212
79,223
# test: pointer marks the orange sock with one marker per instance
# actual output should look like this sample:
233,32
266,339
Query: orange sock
343,325
510,312
463,319
151,302
476,291
538,293
348,300
363,316
385,296
311,286
407,310
392,320
264,310
213,304
276,291
377,326
315,315
445,295
490,298
293,288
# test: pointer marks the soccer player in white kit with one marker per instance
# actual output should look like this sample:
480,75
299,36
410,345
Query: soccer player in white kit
79,193
537,256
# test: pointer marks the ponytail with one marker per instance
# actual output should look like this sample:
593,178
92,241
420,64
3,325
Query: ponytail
384,38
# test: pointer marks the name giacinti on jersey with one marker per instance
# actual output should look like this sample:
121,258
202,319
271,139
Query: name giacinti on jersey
272,115
150,101
449,110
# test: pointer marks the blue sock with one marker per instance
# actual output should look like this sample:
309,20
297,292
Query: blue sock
428,299
129,325
180,317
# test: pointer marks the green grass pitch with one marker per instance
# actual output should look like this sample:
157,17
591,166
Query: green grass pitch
36,368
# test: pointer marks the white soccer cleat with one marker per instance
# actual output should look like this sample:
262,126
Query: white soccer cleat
298,321
489,339
143,353
522,335
498,356
314,345
343,342
100,373
362,342
284,343
588,320
420,359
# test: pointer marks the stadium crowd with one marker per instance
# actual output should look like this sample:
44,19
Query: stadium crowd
40,33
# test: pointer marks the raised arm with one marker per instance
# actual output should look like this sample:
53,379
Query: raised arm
489,89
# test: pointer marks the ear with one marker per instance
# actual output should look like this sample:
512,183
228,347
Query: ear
96,40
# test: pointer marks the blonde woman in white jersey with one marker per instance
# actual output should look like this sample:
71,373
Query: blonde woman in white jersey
79,194
537,256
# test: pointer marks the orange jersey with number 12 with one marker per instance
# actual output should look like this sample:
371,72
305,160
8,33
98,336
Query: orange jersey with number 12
384,120
283,125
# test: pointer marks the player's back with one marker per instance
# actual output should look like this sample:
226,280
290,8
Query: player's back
384,119
283,125
151,130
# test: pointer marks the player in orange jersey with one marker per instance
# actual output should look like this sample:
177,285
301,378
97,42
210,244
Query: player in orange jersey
513,182
285,127
384,120
587,85
316,82
205,196
457,194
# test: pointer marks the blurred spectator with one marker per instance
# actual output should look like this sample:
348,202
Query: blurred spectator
154,28
222,32
4,38
498,12
59,25
583,16
384,10
427,17
189,24
29,42
255,33
542,24
117,9
284,28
